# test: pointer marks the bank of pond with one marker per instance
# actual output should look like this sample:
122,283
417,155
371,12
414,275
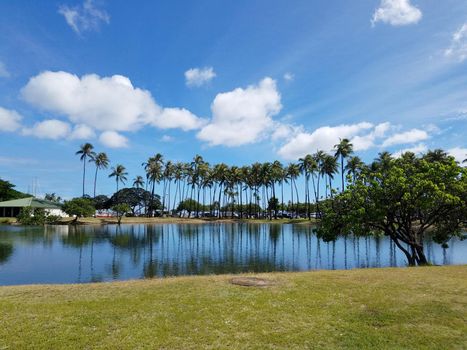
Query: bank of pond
93,253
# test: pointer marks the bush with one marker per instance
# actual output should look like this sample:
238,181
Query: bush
31,216
79,207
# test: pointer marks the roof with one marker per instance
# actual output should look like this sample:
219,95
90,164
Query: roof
30,202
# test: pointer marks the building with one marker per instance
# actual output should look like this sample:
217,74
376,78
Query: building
12,208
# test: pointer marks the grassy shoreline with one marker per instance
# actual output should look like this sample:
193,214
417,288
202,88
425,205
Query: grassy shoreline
416,308
170,220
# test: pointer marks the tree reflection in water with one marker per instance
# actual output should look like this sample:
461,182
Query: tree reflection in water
99,253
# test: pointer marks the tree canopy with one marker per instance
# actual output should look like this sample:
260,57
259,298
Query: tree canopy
7,191
408,199
79,207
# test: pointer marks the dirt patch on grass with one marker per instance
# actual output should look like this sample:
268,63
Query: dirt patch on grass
252,282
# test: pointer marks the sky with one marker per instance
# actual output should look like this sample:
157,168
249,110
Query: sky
235,81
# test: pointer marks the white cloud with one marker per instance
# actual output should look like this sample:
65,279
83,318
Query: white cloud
171,118
396,13
103,103
459,154
9,120
166,138
289,76
242,116
108,103
4,73
364,142
284,131
418,149
199,76
323,138
85,17
410,136
113,139
458,48
82,132
49,129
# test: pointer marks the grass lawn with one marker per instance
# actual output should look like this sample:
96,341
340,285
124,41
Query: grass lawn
402,308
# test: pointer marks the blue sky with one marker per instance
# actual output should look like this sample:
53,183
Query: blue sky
235,81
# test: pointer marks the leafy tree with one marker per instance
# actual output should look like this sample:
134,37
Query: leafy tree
121,209
79,207
273,204
101,202
405,199
7,191
134,197
53,197
36,216
85,152
191,205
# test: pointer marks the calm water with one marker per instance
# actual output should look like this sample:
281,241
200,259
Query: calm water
63,254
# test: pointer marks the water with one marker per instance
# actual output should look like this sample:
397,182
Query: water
65,254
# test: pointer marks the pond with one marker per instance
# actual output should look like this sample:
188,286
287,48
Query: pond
67,254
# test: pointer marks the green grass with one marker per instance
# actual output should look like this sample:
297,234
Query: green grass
405,308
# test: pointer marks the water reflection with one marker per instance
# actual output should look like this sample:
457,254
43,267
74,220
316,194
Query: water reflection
67,254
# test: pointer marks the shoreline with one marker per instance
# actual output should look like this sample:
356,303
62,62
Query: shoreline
227,276
168,220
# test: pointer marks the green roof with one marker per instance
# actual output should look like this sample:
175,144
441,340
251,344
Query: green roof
30,202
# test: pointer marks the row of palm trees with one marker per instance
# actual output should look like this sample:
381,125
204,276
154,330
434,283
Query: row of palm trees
221,185
101,161
246,189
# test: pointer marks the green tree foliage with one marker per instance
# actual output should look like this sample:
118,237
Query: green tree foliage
135,198
7,191
121,209
53,197
36,216
101,202
191,205
79,207
408,199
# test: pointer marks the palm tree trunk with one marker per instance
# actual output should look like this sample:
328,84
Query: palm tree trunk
84,172
95,181
342,173
291,191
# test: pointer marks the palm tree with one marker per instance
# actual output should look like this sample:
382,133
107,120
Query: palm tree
138,182
343,149
220,175
102,162
293,172
276,176
354,166
119,172
178,177
153,168
329,168
196,165
382,162
86,151
308,167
